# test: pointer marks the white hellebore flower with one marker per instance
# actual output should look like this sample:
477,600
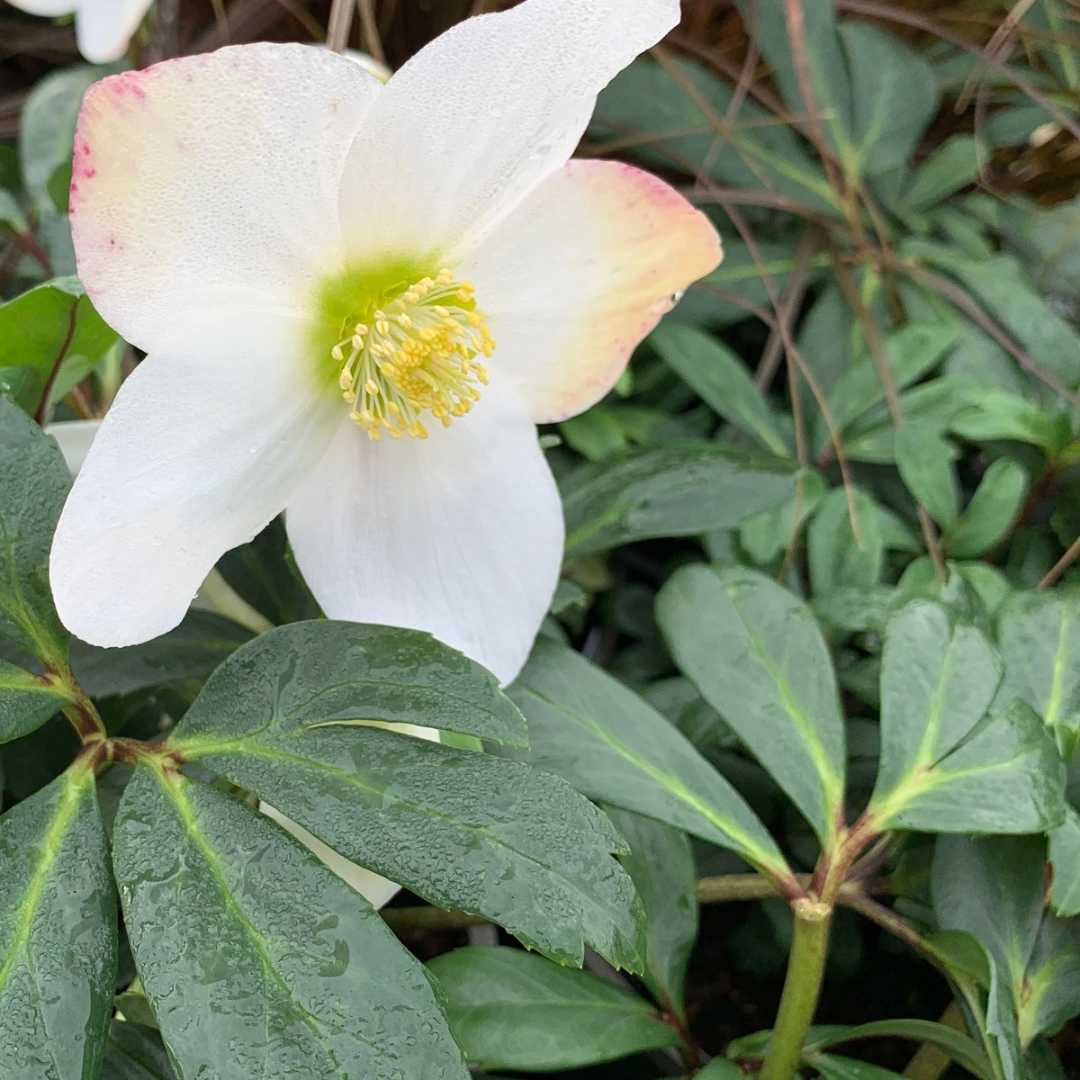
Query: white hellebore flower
103,28
357,302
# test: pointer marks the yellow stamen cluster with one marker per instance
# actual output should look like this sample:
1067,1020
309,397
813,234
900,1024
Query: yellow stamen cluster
414,351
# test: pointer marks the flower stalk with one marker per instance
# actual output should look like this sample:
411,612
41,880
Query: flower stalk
802,987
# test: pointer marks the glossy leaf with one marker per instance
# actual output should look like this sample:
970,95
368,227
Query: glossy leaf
34,482
758,657
1038,634
1065,859
47,130
661,864
1006,777
511,1010
264,575
992,888
834,1067
192,651
598,734
910,353
328,672
959,1046
26,701
257,959
721,380
461,829
893,98
673,110
681,489
838,557
57,934
938,678
134,1052
996,414
924,459
54,324
993,509
952,166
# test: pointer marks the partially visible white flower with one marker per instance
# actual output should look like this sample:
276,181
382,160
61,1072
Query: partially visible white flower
103,28
74,438
357,302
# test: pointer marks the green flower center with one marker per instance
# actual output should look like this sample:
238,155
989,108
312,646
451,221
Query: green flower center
406,349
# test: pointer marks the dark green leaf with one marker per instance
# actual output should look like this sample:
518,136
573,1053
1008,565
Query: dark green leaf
52,324
721,380
328,672
47,130
837,557
910,352
893,98
671,112
833,1067
191,651
57,933
924,459
1039,637
26,701
591,729
595,434
1065,859
994,507
264,575
661,864
758,657
511,1010
257,959
1000,286
960,1047
996,414
953,165
682,489
134,1052
825,64
938,678
1007,777
461,829
992,888
34,482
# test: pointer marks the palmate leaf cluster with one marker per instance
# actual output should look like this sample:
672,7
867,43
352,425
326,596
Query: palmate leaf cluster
814,601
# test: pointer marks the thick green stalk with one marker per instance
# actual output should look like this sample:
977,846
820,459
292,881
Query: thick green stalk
806,968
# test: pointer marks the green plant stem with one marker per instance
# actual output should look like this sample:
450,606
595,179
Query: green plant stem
806,969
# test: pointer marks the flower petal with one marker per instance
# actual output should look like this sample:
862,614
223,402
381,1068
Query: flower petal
48,8
213,180
475,120
579,274
377,889
460,535
104,27
204,445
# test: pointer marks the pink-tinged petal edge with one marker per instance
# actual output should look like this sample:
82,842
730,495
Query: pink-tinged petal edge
580,274
212,181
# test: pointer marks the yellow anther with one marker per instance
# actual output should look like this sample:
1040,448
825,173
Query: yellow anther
419,359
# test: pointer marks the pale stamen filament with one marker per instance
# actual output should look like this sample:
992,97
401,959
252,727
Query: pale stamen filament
415,353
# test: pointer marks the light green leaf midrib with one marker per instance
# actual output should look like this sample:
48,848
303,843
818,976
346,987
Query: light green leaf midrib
740,840
355,781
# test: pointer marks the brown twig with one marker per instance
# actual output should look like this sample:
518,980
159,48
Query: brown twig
43,409
895,13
